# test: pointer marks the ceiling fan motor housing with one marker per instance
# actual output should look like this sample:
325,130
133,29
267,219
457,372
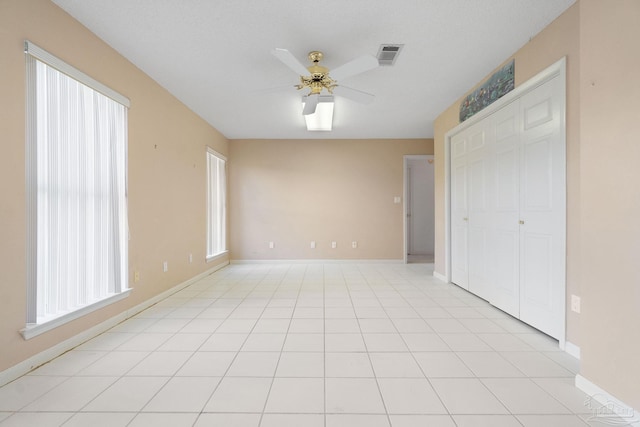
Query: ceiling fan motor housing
319,76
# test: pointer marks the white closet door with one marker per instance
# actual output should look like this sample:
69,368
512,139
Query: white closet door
480,187
459,211
505,263
542,209
508,205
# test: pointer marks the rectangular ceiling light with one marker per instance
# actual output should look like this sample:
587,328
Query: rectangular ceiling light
322,119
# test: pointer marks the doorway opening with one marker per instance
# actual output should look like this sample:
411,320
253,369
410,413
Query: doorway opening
419,223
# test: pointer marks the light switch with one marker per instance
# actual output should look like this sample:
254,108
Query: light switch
396,199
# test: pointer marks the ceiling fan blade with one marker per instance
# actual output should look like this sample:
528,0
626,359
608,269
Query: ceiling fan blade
356,66
354,94
275,89
310,104
290,61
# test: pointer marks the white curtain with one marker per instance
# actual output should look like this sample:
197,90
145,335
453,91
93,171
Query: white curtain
217,209
81,142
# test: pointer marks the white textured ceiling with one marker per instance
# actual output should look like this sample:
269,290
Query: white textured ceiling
214,55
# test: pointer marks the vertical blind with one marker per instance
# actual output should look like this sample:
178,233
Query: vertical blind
216,204
77,153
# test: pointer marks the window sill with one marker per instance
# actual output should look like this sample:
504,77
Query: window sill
216,256
33,329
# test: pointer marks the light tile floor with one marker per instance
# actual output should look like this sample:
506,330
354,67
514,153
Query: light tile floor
313,345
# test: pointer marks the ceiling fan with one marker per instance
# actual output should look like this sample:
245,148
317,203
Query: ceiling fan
318,78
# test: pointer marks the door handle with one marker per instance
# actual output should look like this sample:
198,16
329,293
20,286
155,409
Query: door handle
465,219
521,222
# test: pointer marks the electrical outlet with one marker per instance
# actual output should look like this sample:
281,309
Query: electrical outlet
334,245
575,303
313,244
136,276
165,266
271,245
354,244
190,258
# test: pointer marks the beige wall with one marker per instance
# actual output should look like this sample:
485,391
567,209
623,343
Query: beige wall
167,183
610,196
599,38
293,192
560,38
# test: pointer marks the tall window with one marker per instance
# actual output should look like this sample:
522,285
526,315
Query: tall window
76,185
216,204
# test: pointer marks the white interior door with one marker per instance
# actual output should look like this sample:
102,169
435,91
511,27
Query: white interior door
543,209
408,199
420,206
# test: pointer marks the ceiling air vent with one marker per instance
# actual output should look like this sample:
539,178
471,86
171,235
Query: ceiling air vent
388,53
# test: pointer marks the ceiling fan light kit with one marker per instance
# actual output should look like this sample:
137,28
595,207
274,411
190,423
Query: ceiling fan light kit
322,117
317,79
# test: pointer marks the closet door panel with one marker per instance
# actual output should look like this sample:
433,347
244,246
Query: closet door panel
459,211
479,227
506,232
538,175
537,250
481,206
542,209
506,291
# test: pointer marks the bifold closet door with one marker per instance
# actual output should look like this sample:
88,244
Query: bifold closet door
543,208
508,195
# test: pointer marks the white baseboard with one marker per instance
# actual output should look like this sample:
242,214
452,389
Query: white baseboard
440,276
51,353
605,408
317,261
572,349
156,299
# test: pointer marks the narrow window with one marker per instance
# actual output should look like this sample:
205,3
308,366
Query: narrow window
216,204
76,189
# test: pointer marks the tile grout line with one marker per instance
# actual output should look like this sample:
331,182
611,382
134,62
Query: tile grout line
375,376
140,411
275,372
